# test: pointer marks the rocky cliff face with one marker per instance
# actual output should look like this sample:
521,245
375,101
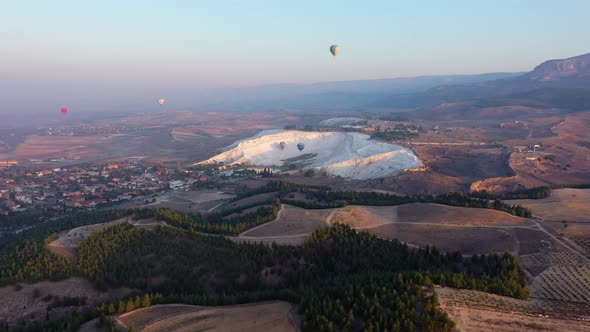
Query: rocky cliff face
575,67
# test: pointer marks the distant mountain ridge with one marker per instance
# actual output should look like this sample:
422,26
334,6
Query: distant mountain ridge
574,67
338,95
555,81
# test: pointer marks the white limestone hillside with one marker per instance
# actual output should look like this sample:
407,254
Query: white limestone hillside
350,155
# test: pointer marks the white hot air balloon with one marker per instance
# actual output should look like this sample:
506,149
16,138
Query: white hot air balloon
161,101
334,49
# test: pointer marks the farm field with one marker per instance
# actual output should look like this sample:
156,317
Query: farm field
478,311
269,316
364,216
470,230
49,146
427,213
291,221
562,204
467,240
579,234
453,215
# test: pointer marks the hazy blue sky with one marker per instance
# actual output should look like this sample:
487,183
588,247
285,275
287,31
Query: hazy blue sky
146,45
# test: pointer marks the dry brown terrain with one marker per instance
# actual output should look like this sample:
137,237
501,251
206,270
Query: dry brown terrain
452,215
269,316
579,233
467,240
38,147
449,228
361,217
564,158
479,311
15,304
563,204
292,226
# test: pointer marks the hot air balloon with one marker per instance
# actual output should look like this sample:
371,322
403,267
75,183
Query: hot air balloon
334,49
161,101
300,146
64,110
282,145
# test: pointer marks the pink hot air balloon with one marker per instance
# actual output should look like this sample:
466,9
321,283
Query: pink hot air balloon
64,110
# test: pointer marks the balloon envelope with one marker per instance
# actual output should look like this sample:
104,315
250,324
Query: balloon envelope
334,49
161,101
300,146
64,110
282,145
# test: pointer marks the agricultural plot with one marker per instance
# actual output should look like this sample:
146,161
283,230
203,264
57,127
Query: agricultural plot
291,221
563,204
530,241
579,234
364,216
549,253
565,283
478,311
271,316
452,215
467,240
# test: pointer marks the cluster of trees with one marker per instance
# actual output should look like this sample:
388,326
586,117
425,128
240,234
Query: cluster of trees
324,275
24,255
322,199
215,223
533,193
67,301
32,261
344,280
371,302
266,173
39,228
399,132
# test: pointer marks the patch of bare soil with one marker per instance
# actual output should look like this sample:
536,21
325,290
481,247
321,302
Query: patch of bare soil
413,183
563,159
479,311
361,217
452,215
291,221
562,204
465,162
269,316
30,303
51,146
467,240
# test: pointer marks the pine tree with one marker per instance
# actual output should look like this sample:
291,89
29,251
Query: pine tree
146,301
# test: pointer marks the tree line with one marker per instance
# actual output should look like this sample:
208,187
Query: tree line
320,275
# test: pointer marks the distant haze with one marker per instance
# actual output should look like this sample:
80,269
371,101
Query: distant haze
123,55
